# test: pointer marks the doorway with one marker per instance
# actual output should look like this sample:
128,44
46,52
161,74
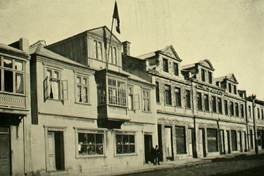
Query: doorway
228,142
148,148
5,159
222,142
55,151
160,142
202,142
168,143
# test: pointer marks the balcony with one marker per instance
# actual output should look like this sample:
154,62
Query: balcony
112,99
10,100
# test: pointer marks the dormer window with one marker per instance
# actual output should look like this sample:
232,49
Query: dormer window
217,84
235,90
229,88
176,69
165,65
203,75
210,77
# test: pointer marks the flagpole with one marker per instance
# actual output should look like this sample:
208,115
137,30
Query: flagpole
108,52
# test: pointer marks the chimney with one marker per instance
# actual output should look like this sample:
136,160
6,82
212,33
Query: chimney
24,45
21,44
126,48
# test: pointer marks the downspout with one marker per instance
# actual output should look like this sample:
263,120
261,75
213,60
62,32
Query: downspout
194,120
254,123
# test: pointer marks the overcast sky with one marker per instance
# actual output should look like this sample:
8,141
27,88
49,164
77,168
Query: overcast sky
228,33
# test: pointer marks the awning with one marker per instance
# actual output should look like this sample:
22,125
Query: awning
7,119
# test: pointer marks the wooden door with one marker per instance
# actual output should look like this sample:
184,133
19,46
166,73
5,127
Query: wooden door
148,148
5,166
51,165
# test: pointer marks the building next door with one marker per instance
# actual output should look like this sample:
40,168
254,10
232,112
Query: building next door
148,148
55,151
5,161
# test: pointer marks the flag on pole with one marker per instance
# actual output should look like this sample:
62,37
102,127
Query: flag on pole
116,17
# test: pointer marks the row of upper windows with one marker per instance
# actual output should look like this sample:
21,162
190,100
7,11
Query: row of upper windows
165,64
177,95
101,53
57,89
230,108
12,75
259,113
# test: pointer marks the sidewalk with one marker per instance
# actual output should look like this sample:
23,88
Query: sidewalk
185,163
164,166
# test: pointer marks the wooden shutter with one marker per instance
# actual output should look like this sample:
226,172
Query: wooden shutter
46,88
64,89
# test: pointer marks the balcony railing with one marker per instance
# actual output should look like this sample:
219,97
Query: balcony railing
12,101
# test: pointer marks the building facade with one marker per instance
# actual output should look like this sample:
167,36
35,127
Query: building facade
88,117
14,108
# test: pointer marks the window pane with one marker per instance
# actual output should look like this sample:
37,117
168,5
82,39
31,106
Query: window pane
8,80
8,63
19,83
18,66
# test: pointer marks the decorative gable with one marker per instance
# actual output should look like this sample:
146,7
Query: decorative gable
231,77
171,52
207,64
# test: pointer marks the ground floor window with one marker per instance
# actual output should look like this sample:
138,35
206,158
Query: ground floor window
251,139
212,140
234,140
180,139
90,143
125,143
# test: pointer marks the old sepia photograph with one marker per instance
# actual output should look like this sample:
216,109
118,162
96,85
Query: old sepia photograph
131,88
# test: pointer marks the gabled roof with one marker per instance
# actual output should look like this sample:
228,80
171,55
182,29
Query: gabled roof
97,31
168,51
230,77
100,31
205,63
40,49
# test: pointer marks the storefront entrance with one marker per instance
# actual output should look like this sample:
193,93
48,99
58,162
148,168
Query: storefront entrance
5,166
148,148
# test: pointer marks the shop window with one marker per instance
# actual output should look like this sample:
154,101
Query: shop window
212,140
90,143
180,140
234,140
125,144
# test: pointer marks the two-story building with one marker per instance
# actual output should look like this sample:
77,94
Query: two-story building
14,108
89,116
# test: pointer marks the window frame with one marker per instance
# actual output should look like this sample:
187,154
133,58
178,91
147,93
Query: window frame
118,90
199,100
188,100
184,150
212,138
178,98
165,65
206,103
148,99
167,88
14,74
89,131
82,76
175,69
125,133
53,70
